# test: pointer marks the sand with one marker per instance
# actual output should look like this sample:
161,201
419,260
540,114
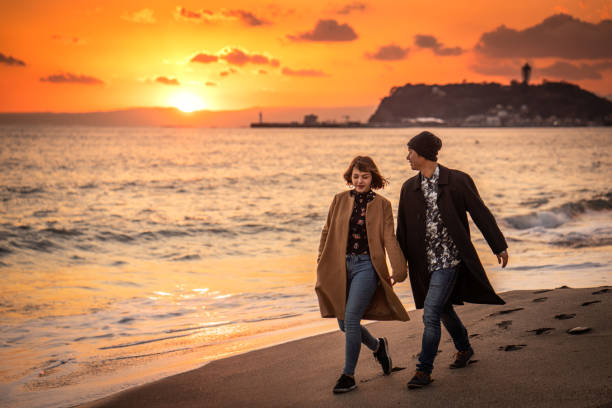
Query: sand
513,365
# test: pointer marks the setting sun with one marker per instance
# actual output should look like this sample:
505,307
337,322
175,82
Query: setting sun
187,102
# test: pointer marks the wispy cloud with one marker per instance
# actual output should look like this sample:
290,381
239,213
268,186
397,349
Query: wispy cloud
68,40
69,78
431,42
390,52
144,16
9,60
303,72
246,17
239,57
327,30
167,81
354,6
204,58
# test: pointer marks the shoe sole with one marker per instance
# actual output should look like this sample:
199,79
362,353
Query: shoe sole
343,390
388,355
417,386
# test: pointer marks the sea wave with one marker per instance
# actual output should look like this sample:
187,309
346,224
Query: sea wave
560,215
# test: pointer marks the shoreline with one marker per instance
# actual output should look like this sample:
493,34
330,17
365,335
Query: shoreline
551,368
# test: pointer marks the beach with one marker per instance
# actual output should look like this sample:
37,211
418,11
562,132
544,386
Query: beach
131,255
524,356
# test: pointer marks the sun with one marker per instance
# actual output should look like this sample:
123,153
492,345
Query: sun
187,102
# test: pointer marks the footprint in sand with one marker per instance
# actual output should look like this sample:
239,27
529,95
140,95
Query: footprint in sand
507,311
565,316
505,324
541,330
537,292
539,299
591,302
512,347
579,330
599,292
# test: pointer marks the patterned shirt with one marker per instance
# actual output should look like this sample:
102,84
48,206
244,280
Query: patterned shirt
358,235
441,250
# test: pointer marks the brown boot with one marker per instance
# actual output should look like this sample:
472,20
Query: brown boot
462,358
420,380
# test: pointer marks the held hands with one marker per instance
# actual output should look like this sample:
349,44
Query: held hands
502,258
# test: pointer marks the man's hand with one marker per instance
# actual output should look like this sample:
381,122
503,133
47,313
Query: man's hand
502,258
391,281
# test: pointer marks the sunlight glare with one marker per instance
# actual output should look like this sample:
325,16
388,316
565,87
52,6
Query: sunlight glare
186,102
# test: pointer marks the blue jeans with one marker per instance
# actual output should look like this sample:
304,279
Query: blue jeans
361,282
438,307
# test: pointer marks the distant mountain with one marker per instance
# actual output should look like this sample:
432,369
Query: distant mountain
556,103
171,117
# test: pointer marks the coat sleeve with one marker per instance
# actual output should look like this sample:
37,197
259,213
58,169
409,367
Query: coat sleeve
401,224
396,257
483,218
326,229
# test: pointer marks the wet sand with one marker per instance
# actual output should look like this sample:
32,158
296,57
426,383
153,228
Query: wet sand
524,357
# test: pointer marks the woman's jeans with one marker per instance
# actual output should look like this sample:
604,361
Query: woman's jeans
438,307
361,283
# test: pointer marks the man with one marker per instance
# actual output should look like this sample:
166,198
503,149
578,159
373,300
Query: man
434,234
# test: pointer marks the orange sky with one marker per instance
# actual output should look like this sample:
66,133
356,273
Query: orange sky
72,56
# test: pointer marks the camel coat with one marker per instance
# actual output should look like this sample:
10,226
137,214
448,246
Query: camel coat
331,262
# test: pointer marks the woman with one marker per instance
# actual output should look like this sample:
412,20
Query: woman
353,281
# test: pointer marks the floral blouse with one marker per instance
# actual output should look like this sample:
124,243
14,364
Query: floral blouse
439,246
358,236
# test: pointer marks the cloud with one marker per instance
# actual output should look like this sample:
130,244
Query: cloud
209,16
431,42
355,6
72,79
246,17
239,57
67,40
498,68
303,72
568,71
204,58
210,84
167,81
390,52
228,72
144,16
561,36
327,30
262,72
9,60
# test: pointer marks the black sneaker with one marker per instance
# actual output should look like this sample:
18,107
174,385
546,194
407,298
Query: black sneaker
382,355
462,358
344,384
420,380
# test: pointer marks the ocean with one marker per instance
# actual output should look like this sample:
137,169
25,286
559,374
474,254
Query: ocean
129,254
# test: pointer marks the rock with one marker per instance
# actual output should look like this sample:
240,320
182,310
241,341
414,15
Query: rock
541,330
591,302
564,287
579,330
565,316
502,312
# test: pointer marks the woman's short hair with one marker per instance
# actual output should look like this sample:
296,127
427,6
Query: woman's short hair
365,163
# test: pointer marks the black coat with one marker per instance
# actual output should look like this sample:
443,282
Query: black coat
457,195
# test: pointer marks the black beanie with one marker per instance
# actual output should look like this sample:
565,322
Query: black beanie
426,144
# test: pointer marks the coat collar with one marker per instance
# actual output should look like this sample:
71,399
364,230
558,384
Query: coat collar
414,183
